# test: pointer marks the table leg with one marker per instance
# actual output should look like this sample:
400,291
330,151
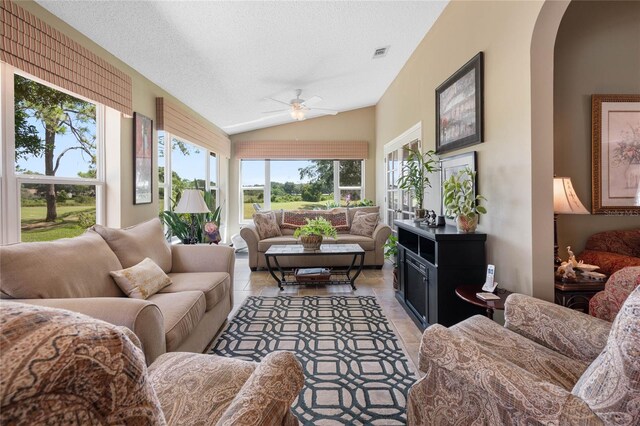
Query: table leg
360,266
267,260
490,313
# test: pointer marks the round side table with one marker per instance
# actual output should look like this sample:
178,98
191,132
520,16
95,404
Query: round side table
468,294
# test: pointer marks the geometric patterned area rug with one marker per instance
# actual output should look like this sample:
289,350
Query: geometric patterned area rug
355,370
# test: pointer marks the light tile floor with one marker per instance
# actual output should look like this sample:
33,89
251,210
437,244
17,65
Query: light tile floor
371,282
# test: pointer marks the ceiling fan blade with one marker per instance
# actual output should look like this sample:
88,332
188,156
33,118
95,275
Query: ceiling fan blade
256,121
325,110
311,101
279,101
276,110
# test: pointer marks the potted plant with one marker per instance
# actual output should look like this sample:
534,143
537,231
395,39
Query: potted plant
312,233
391,253
415,176
179,225
460,201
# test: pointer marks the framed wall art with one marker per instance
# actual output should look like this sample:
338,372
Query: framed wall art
615,154
459,107
449,166
143,158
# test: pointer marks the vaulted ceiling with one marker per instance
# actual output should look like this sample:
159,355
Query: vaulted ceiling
223,58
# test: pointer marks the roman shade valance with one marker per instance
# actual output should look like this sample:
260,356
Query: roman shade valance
301,150
32,45
173,119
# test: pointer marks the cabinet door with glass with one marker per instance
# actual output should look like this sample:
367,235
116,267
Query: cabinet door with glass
399,203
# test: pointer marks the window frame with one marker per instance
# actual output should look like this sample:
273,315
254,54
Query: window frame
11,182
267,185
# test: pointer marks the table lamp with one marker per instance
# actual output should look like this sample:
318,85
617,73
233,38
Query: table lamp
565,201
192,202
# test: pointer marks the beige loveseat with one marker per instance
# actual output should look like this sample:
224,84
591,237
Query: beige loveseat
373,246
63,368
73,274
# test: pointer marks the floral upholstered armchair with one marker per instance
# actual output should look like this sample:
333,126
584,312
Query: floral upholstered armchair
548,365
60,367
606,304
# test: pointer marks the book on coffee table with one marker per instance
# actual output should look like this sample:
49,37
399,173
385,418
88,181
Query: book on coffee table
312,271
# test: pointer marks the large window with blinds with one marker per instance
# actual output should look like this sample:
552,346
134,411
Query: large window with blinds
53,160
299,184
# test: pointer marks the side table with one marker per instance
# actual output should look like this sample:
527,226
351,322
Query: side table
576,295
468,294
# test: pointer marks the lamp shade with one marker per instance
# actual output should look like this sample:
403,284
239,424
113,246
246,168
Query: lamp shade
191,201
565,200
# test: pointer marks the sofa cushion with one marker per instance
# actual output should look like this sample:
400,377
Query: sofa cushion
197,388
133,244
608,262
69,267
351,212
60,367
611,384
364,223
141,280
266,225
367,243
214,285
181,312
625,242
293,219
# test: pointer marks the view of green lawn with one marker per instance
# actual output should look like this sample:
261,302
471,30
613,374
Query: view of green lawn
68,224
289,205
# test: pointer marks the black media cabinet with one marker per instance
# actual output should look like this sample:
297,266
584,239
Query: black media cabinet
432,262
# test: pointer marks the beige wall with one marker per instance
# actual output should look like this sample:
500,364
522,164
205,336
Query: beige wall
503,31
144,102
352,125
597,52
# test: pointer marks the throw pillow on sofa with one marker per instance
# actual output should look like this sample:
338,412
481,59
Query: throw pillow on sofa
266,225
142,280
364,224
133,244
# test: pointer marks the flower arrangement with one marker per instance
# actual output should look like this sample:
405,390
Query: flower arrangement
318,226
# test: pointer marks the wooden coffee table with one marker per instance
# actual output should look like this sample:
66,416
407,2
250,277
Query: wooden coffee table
468,294
286,276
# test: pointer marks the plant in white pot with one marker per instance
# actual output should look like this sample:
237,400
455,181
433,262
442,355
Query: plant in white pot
415,176
312,233
460,200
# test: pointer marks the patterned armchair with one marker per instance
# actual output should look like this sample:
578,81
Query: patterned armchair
606,304
548,365
59,367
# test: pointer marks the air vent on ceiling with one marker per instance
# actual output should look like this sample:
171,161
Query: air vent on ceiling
380,52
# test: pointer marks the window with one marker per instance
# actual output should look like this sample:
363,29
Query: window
57,172
299,184
213,177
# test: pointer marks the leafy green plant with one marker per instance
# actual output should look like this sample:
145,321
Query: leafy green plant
317,226
331,204
391,250
415,173
179,224
364,203
459,199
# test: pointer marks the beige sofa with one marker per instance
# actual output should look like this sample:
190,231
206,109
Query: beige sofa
74,274
66,368
373,246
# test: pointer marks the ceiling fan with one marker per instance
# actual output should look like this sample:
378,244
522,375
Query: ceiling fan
298,107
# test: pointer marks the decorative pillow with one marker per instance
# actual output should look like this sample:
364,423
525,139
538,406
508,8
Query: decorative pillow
142,280
133,244
351,211
364,224
266,225
296,218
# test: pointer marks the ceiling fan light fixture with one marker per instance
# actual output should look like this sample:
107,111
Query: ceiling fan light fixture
297,114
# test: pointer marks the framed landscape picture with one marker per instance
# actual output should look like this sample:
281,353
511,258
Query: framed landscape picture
143,156
615,151
449,166
459,105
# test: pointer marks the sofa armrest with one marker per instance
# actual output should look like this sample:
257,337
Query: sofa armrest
572,333
266,397
466,380
380,236
250,235
140,316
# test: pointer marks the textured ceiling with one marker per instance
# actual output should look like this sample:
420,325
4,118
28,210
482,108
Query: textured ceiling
223,58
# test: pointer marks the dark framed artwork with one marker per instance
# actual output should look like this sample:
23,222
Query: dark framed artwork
459,107
615,154
449,166
143,159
